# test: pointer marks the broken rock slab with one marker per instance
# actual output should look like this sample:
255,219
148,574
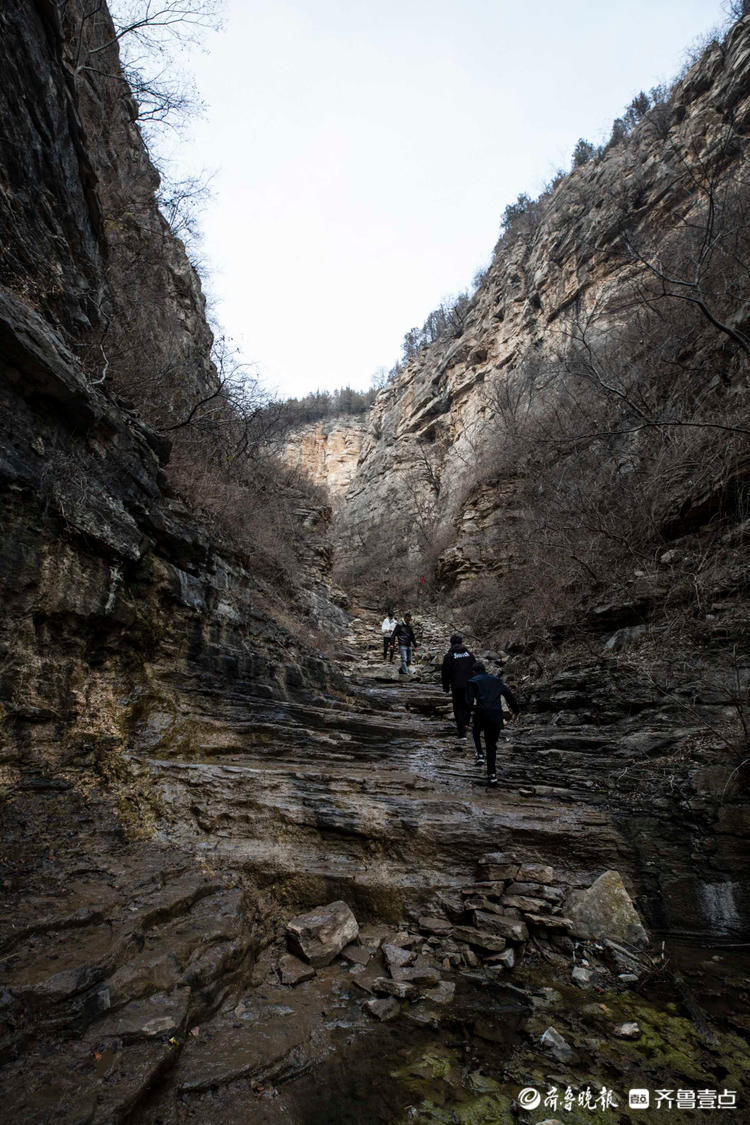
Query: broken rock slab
431,924
443,993
536,873
505,960
493,943
357,954
536,890
508,928
624,960
292,971
555,922
402,990
405,939
321,934
606,911
384,1009
555,1045
582,977
160,1014
452,904
497,865
525,904
395,955
417,974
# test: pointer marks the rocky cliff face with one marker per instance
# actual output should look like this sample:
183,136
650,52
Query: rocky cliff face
328,452
571,259
106,574
181,770
84,244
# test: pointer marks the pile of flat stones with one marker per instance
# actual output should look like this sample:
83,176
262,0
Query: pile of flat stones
479,930
490,921
482,926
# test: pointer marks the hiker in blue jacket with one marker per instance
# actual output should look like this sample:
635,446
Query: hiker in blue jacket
485,694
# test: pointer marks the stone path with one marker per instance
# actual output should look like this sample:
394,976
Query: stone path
141,979
381,798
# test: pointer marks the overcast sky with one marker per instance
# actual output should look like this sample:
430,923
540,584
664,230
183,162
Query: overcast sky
364,151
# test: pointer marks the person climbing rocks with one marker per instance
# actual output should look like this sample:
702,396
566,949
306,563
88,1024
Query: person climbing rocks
403,636
486,693
389,624
455,673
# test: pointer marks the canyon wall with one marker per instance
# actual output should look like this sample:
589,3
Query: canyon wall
113,589
182,767
84,243
571,258
327,451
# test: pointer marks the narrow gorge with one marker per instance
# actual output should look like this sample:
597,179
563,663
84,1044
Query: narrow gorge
249,872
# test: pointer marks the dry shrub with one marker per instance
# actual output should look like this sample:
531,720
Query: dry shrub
254,511
223,463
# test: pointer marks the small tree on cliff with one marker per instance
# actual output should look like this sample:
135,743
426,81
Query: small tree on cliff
738,9
582,153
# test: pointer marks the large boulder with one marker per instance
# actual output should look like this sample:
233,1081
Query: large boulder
606,910
322,933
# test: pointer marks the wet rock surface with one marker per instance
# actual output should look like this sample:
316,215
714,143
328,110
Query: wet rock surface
151,979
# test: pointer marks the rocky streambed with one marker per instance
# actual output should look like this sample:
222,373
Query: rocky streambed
576,933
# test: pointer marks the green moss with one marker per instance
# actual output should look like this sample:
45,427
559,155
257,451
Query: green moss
476,1111
670,1054
437,1079
670,1044
486,1110
437,1066
434,1075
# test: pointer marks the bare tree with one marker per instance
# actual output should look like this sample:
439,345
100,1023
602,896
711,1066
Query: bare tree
179,202
738,9
132,47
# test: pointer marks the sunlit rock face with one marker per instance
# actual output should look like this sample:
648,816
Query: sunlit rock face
328,452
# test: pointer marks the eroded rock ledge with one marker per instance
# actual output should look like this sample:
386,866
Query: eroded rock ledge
151,979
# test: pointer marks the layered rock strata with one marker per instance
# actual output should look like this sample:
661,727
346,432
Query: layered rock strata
328,452
177,989
432,430
182,774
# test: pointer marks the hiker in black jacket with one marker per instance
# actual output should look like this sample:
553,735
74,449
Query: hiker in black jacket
457,670
486,693
403,636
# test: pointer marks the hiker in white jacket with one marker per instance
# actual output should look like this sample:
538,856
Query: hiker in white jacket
389,624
